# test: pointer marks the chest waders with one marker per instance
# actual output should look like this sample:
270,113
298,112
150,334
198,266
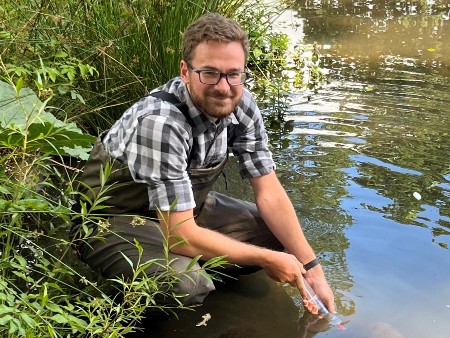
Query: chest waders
103,250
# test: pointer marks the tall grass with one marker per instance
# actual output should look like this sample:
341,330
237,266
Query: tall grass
96,57
134,46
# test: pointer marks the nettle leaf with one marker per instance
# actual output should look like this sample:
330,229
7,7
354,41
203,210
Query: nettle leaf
4,190
27,319
24,119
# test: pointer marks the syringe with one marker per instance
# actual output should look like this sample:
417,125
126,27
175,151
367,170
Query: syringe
323,311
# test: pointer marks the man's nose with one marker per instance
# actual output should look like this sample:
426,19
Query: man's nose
223,82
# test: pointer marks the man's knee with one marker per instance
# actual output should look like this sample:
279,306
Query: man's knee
192,284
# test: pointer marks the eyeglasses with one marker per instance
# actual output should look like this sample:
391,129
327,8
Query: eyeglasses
212,77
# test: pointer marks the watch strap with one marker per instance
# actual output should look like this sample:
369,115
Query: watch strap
311,264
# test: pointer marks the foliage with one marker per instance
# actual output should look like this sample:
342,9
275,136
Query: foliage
267,57
278,69
26,126
308,73
96,57
43,292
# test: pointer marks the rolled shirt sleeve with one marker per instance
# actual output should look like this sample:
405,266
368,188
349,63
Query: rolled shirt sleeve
157,156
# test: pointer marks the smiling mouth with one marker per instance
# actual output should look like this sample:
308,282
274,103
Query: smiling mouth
220,98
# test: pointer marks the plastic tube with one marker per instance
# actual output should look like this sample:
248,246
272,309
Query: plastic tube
323,311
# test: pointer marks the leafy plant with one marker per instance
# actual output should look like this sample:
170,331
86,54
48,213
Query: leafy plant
308,73
26,126
96,57
44,293
40,293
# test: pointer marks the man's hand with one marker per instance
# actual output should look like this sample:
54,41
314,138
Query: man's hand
316,279
283,267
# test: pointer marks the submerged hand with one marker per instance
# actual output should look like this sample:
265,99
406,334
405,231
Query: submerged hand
319,284
311,306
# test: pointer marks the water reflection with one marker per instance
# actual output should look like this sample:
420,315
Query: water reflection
363,146
410,31
388,99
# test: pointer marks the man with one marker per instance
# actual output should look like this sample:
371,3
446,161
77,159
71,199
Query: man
166,157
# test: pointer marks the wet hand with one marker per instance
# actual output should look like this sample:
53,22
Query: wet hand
319,284
310,306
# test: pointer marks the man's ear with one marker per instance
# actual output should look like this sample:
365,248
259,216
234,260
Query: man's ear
184,71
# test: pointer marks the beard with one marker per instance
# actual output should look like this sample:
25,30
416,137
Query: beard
215,103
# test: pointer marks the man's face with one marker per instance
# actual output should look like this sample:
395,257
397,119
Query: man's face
217,100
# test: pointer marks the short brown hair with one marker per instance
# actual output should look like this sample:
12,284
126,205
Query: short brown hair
214,27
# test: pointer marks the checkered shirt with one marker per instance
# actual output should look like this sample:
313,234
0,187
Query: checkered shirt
155,140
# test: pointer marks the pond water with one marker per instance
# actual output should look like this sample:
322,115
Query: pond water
367,165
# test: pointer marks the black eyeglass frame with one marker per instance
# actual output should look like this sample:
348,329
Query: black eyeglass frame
221,75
